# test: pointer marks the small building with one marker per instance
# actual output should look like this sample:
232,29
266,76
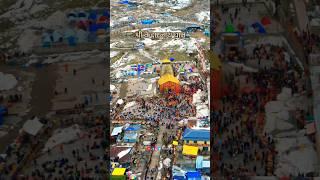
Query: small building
198,137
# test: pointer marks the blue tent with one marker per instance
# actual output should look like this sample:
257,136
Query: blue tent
3,111
123,2
260,27
82,14
102,26
72,41
148,21
93,15
93,27
193,175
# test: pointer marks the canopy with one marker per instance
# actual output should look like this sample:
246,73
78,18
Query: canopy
230,28
32,126
168,78
190,150
118,171
265,21
116,131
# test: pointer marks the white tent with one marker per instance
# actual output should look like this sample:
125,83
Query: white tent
123,153
32,126
167,162
120,101
112,87
116,131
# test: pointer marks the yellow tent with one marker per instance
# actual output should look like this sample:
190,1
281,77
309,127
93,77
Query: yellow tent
166,61
168,78
118,171
175,143
190,150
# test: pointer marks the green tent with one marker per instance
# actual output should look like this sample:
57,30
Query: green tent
229,28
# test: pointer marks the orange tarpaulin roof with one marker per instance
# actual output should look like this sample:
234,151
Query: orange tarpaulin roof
168,78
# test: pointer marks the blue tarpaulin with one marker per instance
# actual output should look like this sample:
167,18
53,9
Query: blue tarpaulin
130,137
124,2
147,21
134,127
260,27
3,111
93,27
193,175
102,26
93,15
179,178
106,13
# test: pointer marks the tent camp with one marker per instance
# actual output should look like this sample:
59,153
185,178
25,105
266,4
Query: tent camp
32,126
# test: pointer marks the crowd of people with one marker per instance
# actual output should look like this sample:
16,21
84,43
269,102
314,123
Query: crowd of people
241,146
